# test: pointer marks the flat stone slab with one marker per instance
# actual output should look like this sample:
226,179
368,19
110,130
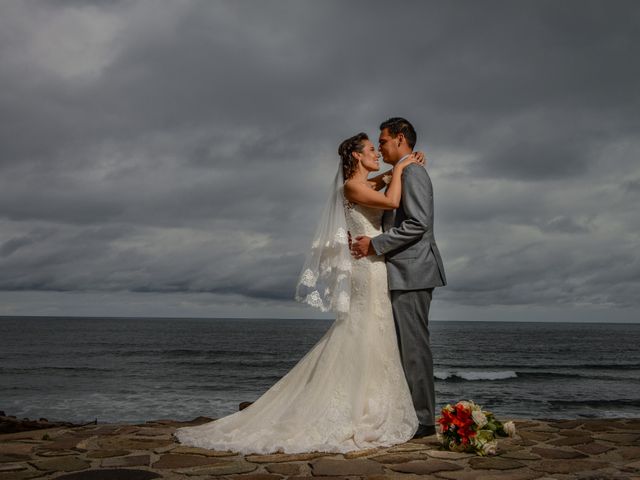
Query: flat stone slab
128,443
447,455
203,451
172,460
594,448
543,449
223,468
572,440
107,453
111,474
129,461
64,464
494,463
13,467
16,448
618,438
557,453
398,457
521,474
425,467
567,466
284,468
284,457
331,467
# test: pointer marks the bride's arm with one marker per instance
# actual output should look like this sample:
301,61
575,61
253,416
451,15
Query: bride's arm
361,194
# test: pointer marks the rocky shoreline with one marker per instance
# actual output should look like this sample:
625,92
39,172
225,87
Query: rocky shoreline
587,449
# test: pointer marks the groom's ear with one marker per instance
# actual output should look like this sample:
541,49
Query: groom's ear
401,138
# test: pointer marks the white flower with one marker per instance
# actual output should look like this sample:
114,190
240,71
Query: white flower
490,448
479,417
386,179
465,404
341,236
509,428
309,278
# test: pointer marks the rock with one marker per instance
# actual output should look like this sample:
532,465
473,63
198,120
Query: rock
521,474
14,457
361,453
56,453
107,453
172,460
21,475
569,441
203,451
618,438
129,443
567,466
129,461
567,424
256,476
597,425
111,474
285,457
629,453
407,447
224,468
447,455
16,448
10,424
557,453
536,436
594,448
331,467
13,467
284,468
521,455
57,464
494,463
66,443
196,421
425,467
398,457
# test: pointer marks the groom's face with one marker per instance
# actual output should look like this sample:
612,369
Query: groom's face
388,147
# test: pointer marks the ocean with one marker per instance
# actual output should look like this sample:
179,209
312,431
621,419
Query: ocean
131,370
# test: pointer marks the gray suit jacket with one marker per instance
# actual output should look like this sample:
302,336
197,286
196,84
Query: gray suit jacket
408,243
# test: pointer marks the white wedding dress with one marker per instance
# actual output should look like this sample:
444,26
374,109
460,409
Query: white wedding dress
347,393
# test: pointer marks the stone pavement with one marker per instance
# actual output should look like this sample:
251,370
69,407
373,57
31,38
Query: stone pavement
558,449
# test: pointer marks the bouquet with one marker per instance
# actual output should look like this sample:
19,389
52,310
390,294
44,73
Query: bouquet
465,427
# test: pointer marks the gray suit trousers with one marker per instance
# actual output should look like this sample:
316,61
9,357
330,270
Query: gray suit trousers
411,314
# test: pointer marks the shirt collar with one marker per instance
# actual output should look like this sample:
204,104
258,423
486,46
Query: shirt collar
403,158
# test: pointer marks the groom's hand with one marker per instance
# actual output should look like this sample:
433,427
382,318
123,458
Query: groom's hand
362,247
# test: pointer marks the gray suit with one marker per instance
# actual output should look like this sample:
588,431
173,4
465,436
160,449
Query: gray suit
414,269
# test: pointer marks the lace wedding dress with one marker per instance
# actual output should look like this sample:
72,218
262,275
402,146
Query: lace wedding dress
347,393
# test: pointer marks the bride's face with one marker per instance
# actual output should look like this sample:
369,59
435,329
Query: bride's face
369,158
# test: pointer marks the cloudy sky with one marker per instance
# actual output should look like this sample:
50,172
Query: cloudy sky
170,158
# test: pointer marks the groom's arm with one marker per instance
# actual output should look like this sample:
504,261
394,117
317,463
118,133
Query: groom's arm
417,195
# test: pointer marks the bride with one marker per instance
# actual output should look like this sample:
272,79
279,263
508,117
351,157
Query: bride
349,391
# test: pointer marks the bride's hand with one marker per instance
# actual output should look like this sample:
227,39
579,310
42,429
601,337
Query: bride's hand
417,157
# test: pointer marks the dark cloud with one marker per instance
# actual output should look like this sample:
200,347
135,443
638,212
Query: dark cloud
182,148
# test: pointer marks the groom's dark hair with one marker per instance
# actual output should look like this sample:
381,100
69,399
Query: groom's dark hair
401,125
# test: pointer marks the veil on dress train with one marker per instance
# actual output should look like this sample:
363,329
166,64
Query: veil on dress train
349,391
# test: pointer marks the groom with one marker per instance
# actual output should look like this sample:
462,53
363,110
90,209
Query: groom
414,267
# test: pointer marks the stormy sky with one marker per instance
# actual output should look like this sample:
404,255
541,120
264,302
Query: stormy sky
170,158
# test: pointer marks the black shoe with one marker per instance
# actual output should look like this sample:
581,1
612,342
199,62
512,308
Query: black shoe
425,431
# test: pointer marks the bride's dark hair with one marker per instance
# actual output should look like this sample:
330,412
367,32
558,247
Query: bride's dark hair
346,148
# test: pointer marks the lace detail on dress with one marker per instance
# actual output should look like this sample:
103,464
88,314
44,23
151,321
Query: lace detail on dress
347,393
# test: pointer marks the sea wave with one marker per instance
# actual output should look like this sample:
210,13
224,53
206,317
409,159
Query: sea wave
475,375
